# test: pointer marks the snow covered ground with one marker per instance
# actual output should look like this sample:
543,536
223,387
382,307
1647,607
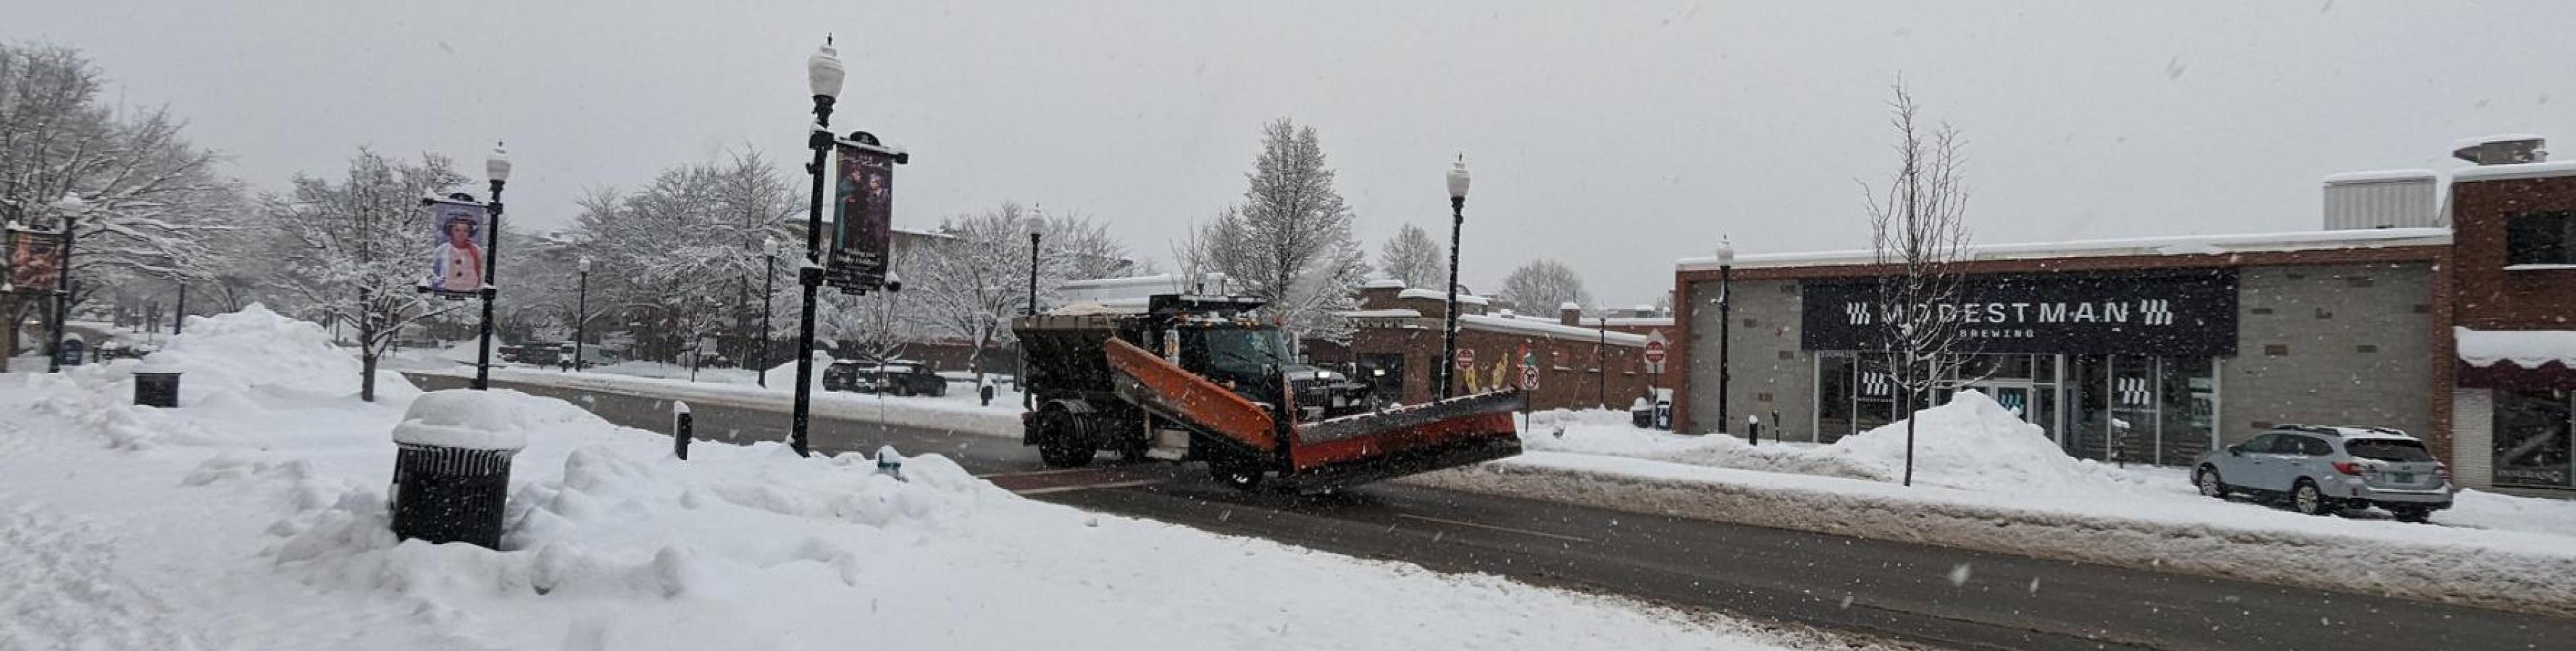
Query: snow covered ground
1985,480
254,517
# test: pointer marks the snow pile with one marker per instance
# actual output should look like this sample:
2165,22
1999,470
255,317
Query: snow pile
258,349
481,420
270,530
1975,444
1971,443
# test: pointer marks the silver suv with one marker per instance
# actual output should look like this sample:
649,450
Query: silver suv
2321,470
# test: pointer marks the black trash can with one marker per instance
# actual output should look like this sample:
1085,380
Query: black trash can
444,494
156,388
1642,415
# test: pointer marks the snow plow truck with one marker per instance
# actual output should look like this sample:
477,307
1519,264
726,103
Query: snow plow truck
1197,378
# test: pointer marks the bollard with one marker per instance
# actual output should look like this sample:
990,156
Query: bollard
1753,428
680,425
889,463
156,388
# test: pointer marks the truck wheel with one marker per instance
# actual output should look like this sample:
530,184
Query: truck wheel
1060,441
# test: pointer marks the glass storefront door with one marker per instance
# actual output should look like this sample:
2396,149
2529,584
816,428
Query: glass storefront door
2533,438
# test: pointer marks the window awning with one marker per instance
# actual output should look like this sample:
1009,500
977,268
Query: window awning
2530,349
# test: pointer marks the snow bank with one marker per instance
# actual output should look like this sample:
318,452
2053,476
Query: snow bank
258,347
1971,443
479,420
233,366
270,531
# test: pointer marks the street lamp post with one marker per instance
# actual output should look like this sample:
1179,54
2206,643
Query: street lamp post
581,311
71,207
768,288
1027,402
179,316
496,168
1457,222
1725,324
823,74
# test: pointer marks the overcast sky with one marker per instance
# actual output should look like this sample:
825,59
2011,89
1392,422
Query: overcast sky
1615,136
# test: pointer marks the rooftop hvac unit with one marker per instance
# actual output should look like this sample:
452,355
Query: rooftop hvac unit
2386,199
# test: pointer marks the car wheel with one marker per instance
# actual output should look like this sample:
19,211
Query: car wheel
2416,515
2209,484
2308,500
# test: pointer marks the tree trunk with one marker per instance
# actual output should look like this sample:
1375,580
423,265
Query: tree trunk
1908,410
367,382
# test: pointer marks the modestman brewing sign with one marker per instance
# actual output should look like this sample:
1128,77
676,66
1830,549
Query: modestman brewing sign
2188,312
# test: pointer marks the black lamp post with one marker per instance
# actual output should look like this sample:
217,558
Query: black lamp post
1725,324
71,206
823,73
496,168
768,288
1457,221
179,316
1026,401
581,311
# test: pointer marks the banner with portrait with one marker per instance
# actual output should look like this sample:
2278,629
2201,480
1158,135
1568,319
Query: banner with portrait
35,261
862,217
456,254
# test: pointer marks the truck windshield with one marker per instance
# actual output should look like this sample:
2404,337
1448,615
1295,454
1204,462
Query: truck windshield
1246,352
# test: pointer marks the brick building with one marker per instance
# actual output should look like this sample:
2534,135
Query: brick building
2448,321
1398,340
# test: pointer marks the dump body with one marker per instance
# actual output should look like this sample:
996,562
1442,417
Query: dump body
1192,379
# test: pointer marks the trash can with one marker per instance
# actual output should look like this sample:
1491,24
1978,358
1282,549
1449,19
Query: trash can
156,388
1641,414
1664,414
452,468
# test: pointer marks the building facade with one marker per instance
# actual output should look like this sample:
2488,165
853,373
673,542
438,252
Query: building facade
2455,322
1397,344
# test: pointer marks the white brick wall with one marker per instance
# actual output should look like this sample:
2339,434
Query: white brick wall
2472,437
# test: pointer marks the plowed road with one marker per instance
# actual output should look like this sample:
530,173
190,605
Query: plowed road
1885,589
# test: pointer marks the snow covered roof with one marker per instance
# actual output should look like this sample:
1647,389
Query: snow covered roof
1569,305
1548,329
2174,245
1641,321
1383,283
1382,314
1439,295
1110,290
2516,171
2525,348
2382,176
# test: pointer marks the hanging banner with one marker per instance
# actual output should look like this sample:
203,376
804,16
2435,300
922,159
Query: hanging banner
863,217
35,261
456,260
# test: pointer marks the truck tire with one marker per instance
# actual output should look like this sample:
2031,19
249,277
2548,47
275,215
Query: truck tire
1061,441
1236,474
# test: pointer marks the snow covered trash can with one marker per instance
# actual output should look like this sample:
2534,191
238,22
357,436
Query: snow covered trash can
156,388
452,468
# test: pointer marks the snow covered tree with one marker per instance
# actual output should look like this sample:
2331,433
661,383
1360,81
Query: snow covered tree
1289,242
146,198
974,276
357,251
686,249
1090,252
1918,236
1413,257
1541,286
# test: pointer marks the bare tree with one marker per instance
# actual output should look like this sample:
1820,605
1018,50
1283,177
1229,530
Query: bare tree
147,199
1289,242
1918,235
1541,286
1090,252
356,251
1413,257
974,275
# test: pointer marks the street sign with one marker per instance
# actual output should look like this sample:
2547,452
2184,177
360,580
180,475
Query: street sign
1655,351
1466,359
1529,369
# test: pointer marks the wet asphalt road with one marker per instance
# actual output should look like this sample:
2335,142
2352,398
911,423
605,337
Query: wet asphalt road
1877,588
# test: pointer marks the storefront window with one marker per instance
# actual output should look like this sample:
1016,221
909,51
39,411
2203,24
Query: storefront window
1833,397
2189,395
2091,418
2531,439
1876,395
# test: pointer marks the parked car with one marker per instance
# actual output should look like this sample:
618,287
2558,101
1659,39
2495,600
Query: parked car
902,378
2321,470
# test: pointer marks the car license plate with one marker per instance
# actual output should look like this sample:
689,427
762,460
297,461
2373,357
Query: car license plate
2404,477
